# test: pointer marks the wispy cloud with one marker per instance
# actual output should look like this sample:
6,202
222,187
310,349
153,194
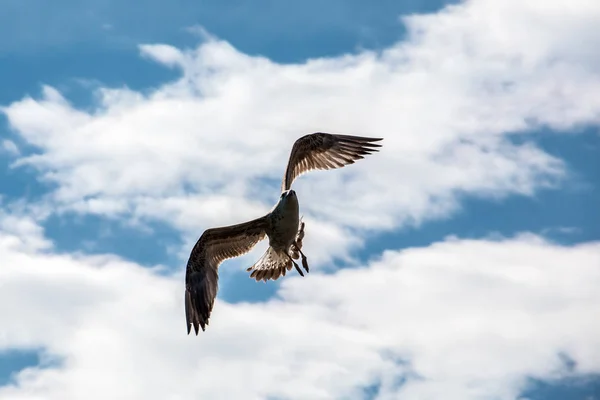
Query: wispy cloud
563,230
10,147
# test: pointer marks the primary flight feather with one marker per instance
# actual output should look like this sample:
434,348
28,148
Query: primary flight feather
282,226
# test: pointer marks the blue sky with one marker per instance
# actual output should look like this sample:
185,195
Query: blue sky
536,168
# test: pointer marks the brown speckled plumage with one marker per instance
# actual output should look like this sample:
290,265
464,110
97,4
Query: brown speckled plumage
282,226
325,151
215,246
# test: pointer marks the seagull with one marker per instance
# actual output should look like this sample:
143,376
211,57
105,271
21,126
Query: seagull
283,226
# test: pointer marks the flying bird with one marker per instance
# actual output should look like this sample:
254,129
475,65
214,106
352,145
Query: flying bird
282,226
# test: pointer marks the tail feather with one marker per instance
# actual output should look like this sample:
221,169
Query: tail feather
271,265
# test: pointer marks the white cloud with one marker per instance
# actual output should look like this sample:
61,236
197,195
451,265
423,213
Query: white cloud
470,318
10,147
164,54
448,100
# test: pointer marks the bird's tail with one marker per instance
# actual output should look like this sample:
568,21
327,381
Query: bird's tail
271,265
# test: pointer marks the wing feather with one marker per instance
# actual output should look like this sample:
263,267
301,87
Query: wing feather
326,151
212,248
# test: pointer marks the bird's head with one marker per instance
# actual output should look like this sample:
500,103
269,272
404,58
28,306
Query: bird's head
288,193
288,199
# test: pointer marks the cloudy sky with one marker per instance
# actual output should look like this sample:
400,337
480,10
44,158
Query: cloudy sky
461,262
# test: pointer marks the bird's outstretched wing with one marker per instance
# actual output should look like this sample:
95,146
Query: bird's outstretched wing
325,151
201,278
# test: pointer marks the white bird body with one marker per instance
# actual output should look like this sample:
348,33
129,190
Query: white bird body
284,221
285,235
